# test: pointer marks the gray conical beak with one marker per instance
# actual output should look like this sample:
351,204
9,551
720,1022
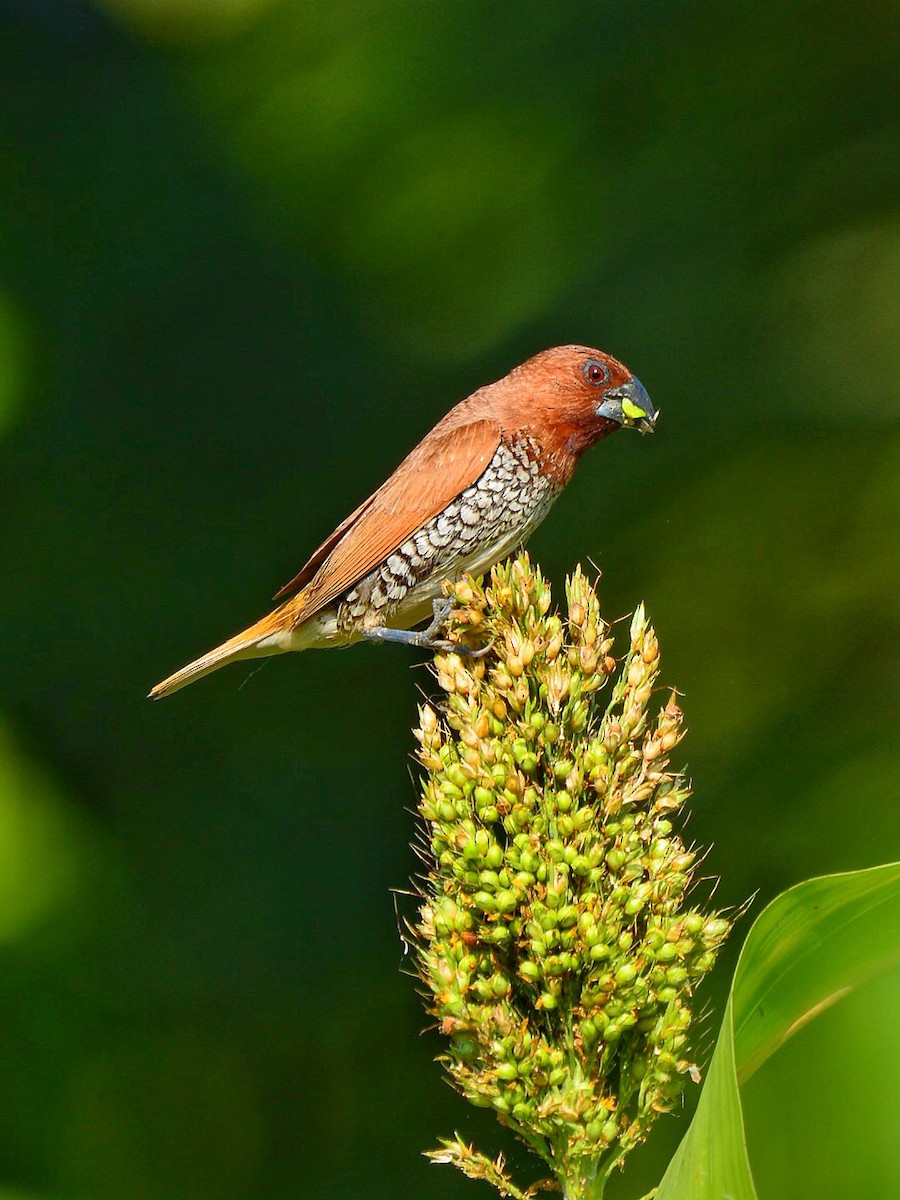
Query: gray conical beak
630,405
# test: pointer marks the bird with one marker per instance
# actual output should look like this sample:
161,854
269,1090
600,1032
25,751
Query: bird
465,497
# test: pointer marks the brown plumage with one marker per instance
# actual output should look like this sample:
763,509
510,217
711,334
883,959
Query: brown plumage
469,493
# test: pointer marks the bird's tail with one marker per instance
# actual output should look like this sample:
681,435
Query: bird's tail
258,641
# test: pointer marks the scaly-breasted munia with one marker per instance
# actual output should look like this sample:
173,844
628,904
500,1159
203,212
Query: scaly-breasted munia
471,492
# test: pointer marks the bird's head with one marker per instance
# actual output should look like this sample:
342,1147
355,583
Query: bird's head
570,397
592,390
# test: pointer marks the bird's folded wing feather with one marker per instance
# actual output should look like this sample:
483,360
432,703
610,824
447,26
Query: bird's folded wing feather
428,479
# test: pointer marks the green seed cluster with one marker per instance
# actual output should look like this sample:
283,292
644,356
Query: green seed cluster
555,939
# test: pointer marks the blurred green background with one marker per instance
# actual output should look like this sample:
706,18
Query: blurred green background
251,250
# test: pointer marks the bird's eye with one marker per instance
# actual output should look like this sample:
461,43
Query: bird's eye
595,372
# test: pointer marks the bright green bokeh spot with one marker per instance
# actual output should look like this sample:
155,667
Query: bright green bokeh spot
12,360
809,948
45,846
190,21
835,304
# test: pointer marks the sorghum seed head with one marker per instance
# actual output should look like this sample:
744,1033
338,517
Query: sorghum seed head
554,927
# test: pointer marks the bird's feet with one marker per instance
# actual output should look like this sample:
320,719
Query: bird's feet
426,638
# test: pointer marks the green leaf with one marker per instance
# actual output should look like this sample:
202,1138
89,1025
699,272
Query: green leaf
810,947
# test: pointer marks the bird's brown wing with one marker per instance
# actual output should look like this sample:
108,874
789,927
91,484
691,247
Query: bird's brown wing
429,478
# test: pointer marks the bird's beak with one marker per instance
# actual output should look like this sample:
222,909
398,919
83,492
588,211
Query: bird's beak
630,405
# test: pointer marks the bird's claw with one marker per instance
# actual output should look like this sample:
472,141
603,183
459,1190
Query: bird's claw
460,648
425,639
442,608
